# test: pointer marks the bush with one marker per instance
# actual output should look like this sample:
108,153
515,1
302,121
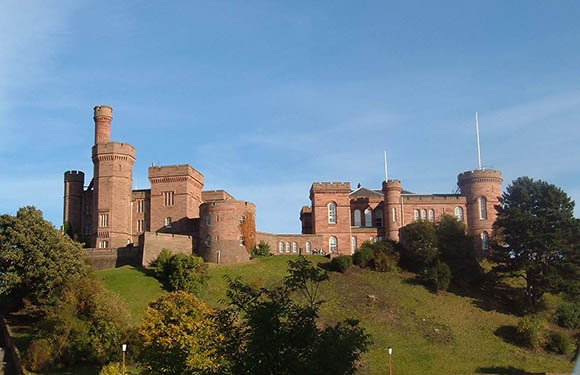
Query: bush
569,315
560,343
340,263
532,331
384,262
112,369
438,277
180,272
364,256
419,249
262,250
39,355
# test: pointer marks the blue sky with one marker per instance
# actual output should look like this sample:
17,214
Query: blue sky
265,97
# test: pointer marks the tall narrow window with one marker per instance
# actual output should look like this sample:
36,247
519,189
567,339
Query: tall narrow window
416,215
368,218
287,247
431,215
294,247
242,241
483,208
281,247
308,246
103,220
104,244
332,213
168,198
140,206
424,215
333,244
379,217
353,243
394,214
242,219
208,220
357,218
484,241
168,222
459,213
140,223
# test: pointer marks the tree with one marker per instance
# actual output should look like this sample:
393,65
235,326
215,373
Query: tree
261,250
419,240
36,260
180,271
178,336
537,237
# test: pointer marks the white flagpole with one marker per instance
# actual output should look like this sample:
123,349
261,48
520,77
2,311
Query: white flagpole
386,168
478,144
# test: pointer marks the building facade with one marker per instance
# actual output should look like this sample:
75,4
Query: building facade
177,214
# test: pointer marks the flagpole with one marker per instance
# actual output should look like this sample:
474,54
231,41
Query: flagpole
478,143
386,168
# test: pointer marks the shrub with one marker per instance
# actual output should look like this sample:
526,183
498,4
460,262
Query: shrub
364,256
112,369
384,262
180,272
340,263
560,343
569,315
438,276
532,331
419,249
39,355
262,250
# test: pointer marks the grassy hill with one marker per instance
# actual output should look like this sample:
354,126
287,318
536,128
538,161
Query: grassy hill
430,334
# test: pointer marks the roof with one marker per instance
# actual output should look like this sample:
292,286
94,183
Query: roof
364,192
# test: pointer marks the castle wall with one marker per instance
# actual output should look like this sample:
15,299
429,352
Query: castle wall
110,258
153,243
321,195
288,241
440,204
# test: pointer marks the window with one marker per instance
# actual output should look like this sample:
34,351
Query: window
484,241
168,222
104,244
357,218
103,220
168,198
368,218
208,241
287,247
332,213
483,208
140,206
242,241
294,247
140,225
459,213
353,243
333,244
281,247
431,215
379,217
416,215
208,220
423,214
394,214
308,246
242,219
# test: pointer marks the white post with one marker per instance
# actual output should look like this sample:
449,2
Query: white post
478,144
386,168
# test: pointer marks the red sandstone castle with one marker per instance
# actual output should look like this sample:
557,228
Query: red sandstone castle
121,224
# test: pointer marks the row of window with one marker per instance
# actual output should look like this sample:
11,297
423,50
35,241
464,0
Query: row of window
357,216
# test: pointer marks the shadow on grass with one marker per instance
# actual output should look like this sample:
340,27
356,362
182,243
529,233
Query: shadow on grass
508,370
508,334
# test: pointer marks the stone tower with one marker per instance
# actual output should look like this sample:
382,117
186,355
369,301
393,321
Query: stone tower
73,200
392,190
113,185
481,188
331,215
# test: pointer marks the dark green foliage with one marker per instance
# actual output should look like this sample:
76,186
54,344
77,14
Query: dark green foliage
305,278
560,343
261,250
88,325
266,332
532,332
457,251
537,238
419,245
569,315
438,276
364,256
386,256
180,272
340,263
36,260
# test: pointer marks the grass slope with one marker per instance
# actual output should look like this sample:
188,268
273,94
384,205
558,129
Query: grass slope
430,334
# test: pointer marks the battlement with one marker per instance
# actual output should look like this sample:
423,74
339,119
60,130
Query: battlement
392,185
168,173
74,176
216,195
479,175
330,187
306,210
103,111
114,148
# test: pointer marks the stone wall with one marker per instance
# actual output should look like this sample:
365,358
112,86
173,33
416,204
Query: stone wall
110,258
153,243
288,241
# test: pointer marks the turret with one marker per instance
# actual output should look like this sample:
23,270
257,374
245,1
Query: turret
103,116
392,191
481,188
73,192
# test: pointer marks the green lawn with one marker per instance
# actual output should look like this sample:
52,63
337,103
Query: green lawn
430,334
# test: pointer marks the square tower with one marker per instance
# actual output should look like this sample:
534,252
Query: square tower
331,215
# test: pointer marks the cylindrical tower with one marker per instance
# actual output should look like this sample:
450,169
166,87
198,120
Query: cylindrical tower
103,117
392,190
73,193
221,238
481,188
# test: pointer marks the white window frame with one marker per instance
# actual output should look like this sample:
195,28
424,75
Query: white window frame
432,215
281,247
308,246
287,247
333,244
332,213
353,243
416,215
368,218
459,213
294,247
168,222
483,208
394,214
103,220
104,244
424,214
484,241
242,241
357,218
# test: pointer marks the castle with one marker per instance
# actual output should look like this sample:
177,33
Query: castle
122,225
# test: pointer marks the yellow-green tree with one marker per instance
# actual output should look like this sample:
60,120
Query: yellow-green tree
178,336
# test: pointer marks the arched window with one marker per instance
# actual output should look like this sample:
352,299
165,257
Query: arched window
242,219
459,213
332,213
281,247
484,241
379,217
416,215
168,222
294,247
208,241
431,215
333,244
483,208
394,214
208,220
242,241
368,218
353,243
308,246
357,218
287,247
423,214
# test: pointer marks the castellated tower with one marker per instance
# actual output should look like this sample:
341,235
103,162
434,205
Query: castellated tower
113,185
481,188
392,190
73,203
